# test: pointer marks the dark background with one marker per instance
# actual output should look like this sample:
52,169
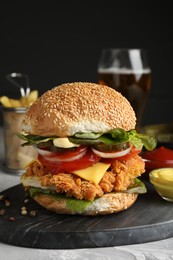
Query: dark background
60,41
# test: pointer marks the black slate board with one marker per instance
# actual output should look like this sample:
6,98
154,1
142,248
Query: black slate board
149,219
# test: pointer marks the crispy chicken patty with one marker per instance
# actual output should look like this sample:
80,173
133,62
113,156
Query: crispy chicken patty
119,176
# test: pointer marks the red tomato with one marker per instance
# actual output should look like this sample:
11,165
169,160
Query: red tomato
133,152
55,167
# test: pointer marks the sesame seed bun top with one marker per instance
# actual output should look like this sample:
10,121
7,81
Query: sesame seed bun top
78,107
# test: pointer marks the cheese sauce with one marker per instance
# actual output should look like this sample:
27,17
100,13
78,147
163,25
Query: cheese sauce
164,174
63,142
162,179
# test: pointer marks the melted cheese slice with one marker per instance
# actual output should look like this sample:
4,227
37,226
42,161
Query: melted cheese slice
93,173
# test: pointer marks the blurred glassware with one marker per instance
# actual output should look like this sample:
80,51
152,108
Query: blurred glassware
16,157
127,71
21,81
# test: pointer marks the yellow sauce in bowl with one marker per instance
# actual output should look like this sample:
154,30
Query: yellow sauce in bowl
162,179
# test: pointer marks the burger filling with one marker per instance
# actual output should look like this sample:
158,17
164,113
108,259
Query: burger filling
119,176
87,165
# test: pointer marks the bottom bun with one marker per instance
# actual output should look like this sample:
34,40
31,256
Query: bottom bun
109,203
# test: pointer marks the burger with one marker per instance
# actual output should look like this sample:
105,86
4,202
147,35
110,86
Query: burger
88,151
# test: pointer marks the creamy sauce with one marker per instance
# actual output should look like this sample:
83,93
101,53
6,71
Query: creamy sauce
165,174
63,142
162,179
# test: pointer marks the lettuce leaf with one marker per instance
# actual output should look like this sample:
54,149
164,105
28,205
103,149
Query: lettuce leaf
81,205
34,139
138,187
112,137
72,203
117,136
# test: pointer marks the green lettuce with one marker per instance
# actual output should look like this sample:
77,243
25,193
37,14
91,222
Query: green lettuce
71,203
80,205
117,136
34,139
112,137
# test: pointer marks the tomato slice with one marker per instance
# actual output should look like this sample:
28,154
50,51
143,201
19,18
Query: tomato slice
88,159
133,152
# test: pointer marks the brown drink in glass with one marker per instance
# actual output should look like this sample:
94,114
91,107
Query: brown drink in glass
127,71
